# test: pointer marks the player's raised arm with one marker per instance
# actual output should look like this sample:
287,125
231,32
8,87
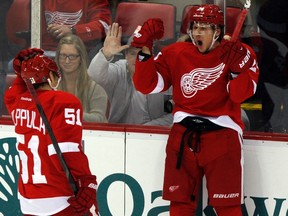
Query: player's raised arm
152,29
241,59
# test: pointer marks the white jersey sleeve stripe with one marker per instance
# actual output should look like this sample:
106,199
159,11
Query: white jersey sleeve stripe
160,84
255,86
43,206
64,147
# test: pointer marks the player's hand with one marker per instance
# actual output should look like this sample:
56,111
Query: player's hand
152,29
85,201
58,30
232,54
24,55
112,42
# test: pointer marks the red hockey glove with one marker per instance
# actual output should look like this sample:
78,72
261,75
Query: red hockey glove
151,30
85,201
233,54
24,55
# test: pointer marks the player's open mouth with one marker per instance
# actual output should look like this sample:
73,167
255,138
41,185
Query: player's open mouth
199,43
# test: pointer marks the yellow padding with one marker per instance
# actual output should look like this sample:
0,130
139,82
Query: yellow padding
251,106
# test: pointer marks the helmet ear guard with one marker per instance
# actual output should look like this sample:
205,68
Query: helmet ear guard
37,69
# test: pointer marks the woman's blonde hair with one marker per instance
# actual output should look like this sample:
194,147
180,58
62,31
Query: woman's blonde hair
83,80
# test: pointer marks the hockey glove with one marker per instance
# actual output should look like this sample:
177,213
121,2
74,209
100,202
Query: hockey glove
151,30
85,201
233,54
24,55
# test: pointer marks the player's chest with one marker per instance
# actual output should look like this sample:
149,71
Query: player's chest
199,69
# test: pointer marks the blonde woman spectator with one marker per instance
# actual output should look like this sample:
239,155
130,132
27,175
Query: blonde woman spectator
71,57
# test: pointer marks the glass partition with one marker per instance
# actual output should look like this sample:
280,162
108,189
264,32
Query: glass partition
15,34
265,30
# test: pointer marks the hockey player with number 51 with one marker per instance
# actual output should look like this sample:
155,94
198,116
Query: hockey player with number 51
43,186
210,78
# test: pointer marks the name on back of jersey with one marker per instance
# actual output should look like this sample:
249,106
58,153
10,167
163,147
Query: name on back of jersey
29,119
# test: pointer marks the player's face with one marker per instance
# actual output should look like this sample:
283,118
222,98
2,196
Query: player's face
130,56
69,58
202,34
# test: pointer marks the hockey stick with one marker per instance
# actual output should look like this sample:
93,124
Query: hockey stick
51,134
241,20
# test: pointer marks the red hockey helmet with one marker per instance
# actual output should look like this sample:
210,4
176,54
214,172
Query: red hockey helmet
37,69
208,13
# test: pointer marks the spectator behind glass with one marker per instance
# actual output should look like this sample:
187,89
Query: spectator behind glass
71,57
88,19
127,104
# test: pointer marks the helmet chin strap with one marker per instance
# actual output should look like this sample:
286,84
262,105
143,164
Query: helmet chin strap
54,87
191,37
213,41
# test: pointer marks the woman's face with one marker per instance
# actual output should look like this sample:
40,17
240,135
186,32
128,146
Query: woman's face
69,58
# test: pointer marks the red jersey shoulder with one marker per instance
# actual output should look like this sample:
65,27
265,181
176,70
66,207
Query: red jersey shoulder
178,47
66,97
175,50
251,50
185,55
59,99
60,106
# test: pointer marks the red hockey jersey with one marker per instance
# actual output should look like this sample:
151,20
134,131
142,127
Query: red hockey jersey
202,83
89,18
43,186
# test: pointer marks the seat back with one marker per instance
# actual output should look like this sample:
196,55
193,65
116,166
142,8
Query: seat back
232,17
18,23
185,20
129,15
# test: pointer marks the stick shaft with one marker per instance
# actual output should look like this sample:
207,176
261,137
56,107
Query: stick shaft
239,25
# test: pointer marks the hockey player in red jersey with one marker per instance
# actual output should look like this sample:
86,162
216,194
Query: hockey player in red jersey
43,186
210,78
